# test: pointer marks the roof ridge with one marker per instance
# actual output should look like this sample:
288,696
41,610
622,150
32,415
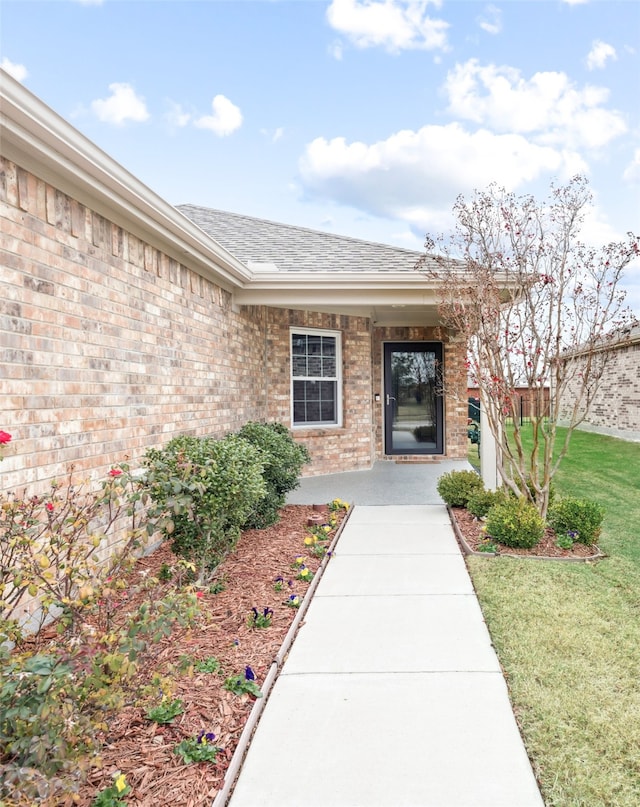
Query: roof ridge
299,228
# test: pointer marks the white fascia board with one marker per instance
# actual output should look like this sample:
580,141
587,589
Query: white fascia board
337,281
38,140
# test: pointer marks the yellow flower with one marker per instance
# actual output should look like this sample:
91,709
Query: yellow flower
120,783
310,539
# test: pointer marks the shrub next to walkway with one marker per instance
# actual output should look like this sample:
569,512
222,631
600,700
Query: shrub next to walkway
282,459
456,487
204,491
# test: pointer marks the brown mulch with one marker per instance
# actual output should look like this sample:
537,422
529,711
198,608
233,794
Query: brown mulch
471,529
144,750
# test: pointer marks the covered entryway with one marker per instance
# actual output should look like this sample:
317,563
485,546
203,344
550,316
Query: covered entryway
413,407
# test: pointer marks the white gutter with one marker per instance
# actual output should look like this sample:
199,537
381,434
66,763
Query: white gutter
40,141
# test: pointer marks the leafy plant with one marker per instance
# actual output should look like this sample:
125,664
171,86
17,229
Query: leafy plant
165,574
282,460
338,504
456,487
52,548
259,619
197,749
112,796
566,541
481,501
207,665
516,523
204,491
583,517
166,711
487,545
293,601
243,684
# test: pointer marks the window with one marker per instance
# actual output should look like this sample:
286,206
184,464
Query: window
315,378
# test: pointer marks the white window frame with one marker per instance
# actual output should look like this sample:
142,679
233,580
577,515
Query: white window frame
337,379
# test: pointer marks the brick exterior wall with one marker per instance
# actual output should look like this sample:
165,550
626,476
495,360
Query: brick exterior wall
108,346
349,447
616,407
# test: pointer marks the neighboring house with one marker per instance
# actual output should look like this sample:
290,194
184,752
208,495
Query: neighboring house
616,405
125,321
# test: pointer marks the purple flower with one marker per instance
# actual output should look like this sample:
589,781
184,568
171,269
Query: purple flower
249,674
267,613
206,737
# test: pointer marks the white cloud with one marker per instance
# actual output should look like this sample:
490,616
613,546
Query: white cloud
274,135
599,53
575,2
122,105
415,175
226,117
632,171
176,116
17,71
392,24
491,20
548,106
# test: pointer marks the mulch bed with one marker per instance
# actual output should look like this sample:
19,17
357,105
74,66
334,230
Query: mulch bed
143,750
471,530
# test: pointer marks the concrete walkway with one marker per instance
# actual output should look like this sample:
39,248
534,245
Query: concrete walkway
392,695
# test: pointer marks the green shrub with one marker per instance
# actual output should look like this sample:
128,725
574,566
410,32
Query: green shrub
282,460
204,490
481,501
515,523
456,487
580,518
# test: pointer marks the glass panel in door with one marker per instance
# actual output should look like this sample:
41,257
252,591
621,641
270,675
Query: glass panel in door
413,406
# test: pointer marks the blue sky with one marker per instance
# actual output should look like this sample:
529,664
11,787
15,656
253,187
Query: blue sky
361,117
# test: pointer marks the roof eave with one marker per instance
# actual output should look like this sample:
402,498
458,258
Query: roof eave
40,141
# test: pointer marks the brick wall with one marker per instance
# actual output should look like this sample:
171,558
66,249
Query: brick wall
107,345
616,407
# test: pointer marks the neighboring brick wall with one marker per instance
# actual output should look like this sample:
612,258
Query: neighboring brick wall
455,383
616,407
332,450
107,345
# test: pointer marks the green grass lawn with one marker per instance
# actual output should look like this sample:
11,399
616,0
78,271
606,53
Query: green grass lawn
568,637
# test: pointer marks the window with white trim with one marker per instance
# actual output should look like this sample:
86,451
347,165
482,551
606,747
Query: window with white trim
315,378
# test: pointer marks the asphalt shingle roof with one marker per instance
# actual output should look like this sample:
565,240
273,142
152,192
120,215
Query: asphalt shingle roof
258,243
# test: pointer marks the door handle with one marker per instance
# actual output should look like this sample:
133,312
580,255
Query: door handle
389,399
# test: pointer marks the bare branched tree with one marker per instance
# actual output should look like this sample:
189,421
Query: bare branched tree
517,282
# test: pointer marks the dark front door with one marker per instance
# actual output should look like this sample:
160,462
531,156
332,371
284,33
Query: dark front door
413,422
